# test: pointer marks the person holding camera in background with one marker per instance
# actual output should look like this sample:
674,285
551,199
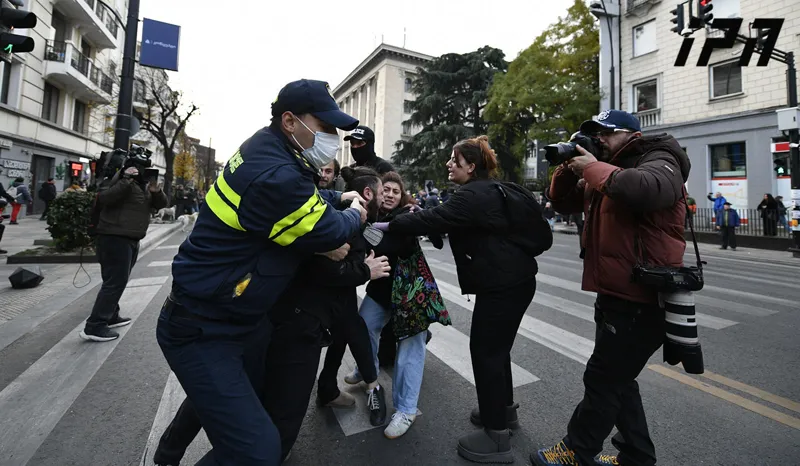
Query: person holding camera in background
125,200
632,190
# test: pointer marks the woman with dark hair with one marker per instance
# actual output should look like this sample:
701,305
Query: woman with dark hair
496,229
769,215
409,298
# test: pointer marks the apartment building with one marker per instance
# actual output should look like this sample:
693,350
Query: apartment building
723,114
55,117
378,93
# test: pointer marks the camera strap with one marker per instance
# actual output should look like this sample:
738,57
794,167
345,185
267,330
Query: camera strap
691,229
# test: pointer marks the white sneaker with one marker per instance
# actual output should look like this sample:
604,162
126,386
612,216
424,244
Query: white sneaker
399,425
353,378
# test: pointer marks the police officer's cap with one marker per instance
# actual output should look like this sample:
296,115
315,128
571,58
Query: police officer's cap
314,97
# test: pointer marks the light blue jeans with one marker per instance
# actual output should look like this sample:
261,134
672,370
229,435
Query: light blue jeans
409,363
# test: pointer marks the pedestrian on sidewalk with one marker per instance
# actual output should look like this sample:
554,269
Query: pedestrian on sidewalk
22,196
782,218
769,215
47,193
496,231
727,221
125,200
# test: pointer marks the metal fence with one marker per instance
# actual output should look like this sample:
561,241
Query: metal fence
754,222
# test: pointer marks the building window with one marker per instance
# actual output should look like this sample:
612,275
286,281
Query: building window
646,96
407,106
728,160
50,103
409,84
726,79
406,128
644,38
5,82
79,117
727,9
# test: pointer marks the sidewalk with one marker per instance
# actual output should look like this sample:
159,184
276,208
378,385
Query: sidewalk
709,249
63,283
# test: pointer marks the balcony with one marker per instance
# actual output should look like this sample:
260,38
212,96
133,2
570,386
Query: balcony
98,23
649,118
67,66
645,5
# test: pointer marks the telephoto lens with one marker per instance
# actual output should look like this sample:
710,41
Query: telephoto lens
682,344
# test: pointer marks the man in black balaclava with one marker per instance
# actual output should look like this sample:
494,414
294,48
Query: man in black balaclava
362,146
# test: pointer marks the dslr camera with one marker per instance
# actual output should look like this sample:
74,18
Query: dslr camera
112,162
560,152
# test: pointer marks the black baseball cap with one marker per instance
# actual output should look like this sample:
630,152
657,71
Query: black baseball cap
362,133
611,120
314,97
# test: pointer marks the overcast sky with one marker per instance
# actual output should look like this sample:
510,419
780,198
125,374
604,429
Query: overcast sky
235,55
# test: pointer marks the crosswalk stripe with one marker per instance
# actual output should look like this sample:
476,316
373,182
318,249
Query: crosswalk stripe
35,401
160,264
168,247
570,345
753,296
452,348
148,281
703,320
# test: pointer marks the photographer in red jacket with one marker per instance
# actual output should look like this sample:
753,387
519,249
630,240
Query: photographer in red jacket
632,194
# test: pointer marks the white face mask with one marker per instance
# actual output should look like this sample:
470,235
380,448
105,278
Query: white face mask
324,149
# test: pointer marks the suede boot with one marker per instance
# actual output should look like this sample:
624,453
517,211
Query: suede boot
511,417
486,446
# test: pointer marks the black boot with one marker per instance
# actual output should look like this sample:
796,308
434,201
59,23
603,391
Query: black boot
511,417
486,446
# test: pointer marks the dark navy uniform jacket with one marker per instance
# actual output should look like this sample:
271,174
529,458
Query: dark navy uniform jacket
262,217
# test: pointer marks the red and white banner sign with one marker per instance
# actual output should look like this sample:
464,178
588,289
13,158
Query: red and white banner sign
779,147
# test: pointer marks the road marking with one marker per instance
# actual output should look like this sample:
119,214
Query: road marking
557,339
703,320
727,396
160,264
148,281
35,401
754,296
758,263
168,247
452,348
756,392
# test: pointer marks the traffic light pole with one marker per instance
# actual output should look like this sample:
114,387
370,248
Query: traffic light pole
794,154
122,133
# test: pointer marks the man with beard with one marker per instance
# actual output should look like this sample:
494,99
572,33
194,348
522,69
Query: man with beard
321,299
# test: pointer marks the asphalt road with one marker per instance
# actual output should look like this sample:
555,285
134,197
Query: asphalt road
68,402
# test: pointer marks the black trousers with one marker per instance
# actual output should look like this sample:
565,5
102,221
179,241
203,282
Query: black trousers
186,424
728,237
46,208
117,256
495,321
348,329
627,335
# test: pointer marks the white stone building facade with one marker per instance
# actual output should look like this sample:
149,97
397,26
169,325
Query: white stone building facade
723,114
378,93
54,101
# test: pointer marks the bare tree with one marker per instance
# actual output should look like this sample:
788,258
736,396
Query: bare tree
165,117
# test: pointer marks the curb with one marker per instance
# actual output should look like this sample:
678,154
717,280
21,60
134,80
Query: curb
145,243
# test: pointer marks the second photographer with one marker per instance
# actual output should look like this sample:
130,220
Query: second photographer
631,189
124,201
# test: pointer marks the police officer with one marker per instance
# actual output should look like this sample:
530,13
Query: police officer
362,148
261,218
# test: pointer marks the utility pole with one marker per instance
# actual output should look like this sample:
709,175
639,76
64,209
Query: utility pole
209,166
122,133
794,154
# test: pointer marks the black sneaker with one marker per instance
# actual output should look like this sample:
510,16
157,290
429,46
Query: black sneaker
118,321
376,402
99,334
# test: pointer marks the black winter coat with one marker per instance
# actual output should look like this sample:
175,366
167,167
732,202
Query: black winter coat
325,288
126,208
489,249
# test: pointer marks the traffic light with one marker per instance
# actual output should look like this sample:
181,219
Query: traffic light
761,38
11,19
704,10
677,14
780,165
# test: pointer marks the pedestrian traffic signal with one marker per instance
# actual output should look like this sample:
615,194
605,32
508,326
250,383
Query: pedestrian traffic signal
704,10
11,19
779,165
677,14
